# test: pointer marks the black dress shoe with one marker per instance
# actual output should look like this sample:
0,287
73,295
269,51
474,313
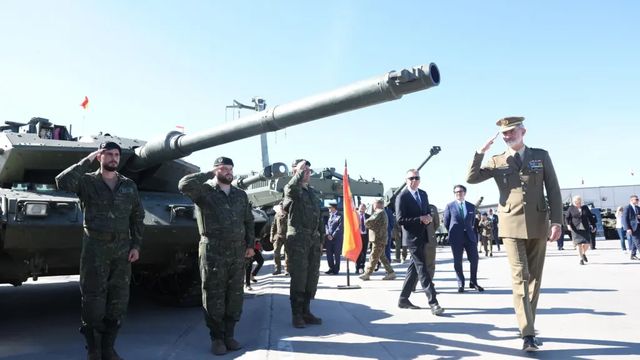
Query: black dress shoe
329,272
633,257
477,287
529,344
406,304
436,310
584,257
460,289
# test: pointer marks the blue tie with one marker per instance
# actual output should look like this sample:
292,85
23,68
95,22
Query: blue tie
415,194
461,210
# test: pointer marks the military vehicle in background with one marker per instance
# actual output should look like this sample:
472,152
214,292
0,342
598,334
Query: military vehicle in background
392,193
41,227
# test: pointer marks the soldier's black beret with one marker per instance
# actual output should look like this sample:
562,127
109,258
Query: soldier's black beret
296,161
223,161
110,145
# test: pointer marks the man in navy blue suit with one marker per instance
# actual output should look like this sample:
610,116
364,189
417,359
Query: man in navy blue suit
333,239
631,223
413,215
458,219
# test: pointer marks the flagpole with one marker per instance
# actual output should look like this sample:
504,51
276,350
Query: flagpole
348,217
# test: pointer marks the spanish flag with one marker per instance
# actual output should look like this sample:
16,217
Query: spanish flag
352,243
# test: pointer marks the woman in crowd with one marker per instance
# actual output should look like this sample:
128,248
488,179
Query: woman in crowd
581,224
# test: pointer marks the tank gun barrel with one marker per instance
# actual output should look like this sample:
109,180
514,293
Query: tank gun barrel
273,171
390,86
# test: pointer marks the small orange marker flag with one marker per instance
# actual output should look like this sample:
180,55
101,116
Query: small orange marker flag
85,103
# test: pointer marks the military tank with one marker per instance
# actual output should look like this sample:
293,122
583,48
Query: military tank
41,227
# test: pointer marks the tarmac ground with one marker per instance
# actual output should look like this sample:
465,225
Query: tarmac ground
585,312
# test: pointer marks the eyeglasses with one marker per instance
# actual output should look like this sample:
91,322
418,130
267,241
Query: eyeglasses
458,191
413,178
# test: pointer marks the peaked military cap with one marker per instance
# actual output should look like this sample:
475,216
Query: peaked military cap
110,145
223,161
509,123
333,204
295,162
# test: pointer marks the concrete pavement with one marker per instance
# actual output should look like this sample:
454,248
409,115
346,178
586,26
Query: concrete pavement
585,312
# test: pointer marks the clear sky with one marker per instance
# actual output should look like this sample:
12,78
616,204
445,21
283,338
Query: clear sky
569,67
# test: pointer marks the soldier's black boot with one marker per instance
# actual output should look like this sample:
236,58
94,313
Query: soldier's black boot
297,319
109,335
217,341
307,316
229,341
91,336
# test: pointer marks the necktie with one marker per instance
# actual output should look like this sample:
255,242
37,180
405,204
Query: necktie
415,194
461,211
362,228
518,160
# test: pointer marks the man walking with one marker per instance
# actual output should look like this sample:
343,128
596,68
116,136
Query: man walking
113,225
304,243
377,224
413,214
631,223
523,175
458,219
225,223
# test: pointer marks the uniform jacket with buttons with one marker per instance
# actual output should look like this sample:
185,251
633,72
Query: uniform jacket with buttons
523,211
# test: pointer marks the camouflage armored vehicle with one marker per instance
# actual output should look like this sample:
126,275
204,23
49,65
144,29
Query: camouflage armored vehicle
41,227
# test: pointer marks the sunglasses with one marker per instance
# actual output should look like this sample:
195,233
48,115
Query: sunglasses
458,191
413,178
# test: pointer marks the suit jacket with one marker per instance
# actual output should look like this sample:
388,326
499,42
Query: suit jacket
522,191
408,213
630,220
456,226
334,226
574,218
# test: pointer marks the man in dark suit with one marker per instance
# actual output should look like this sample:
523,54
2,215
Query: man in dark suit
333,239
458,219
413,214
364,236
631,223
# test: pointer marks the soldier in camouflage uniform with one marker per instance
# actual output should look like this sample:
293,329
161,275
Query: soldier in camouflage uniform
304,243
113,226
225,223
486,234
278,238
377,224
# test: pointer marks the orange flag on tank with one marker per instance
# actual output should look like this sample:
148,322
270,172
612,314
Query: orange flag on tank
352,243
85,103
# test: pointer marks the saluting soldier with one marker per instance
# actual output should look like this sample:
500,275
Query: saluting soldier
225,223
113,225
304,243
522,175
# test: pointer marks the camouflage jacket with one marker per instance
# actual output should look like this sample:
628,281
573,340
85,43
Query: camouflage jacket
486,227
303,206
279,226
111,211
377,224
226,218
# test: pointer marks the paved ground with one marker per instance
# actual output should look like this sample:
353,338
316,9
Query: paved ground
585,312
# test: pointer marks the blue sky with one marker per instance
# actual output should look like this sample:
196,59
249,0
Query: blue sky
570,67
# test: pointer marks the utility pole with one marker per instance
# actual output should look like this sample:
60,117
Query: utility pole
259,104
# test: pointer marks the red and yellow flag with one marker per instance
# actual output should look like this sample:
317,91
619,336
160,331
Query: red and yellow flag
85,103
352,243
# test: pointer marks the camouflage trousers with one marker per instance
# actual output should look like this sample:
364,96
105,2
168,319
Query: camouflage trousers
303,256
377,254
105,274
222,270
277,254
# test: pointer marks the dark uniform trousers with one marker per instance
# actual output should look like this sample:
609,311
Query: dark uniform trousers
417,271
304,250
222,267
105,274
